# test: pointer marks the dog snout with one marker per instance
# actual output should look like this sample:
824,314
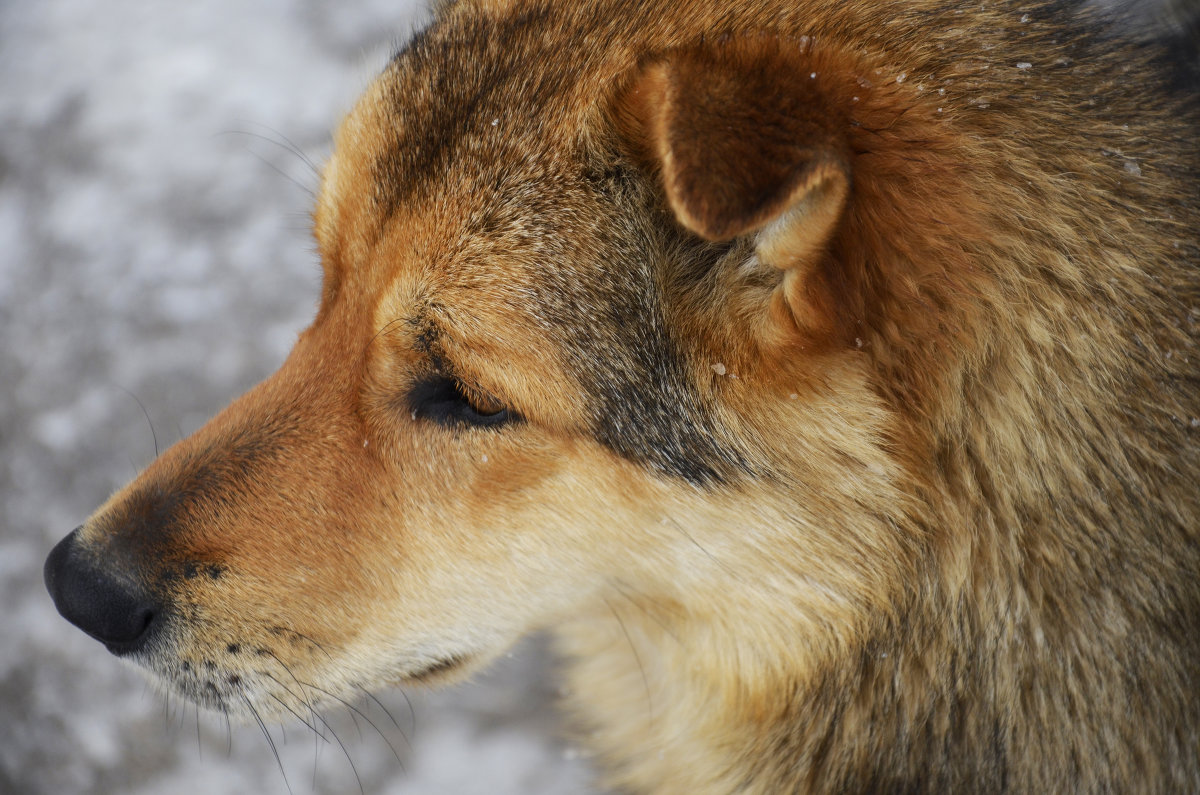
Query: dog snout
105,602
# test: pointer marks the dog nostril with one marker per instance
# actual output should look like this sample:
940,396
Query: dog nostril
111,608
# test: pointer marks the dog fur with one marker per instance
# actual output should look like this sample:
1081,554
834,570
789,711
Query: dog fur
824,373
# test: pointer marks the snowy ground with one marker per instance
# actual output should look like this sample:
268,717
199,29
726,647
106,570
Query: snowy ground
154,243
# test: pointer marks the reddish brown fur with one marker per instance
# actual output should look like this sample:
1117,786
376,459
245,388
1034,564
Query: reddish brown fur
853,345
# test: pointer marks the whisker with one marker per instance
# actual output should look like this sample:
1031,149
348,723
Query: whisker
298,696
638,657
353,718
290,148
412,713
316,170
293,712
345,752
317,715
352,710
316,756
146,414
317,733
670,522
270,740
283,142
311,193
617,586
383,331
319,718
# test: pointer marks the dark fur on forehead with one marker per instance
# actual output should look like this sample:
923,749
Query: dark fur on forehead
442,116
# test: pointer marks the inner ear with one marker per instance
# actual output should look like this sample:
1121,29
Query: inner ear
748,139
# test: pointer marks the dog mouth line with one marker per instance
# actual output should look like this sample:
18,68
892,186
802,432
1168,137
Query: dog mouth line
212,684
438,667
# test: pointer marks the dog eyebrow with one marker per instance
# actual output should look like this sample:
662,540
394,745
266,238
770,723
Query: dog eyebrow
427,340
427,337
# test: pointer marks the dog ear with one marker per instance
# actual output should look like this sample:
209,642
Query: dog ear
744,138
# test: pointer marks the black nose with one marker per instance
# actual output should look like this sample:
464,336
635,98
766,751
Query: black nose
105,604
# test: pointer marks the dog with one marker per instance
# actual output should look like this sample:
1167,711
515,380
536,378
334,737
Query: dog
822,373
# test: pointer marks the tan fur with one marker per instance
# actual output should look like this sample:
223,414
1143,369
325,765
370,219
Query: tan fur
852,346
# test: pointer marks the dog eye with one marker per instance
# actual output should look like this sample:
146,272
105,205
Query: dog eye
447,401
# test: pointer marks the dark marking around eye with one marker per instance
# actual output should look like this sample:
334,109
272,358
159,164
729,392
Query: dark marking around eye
447,402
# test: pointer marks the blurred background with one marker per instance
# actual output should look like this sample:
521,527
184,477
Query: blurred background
155,261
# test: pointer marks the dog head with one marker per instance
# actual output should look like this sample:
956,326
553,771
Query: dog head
593,316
